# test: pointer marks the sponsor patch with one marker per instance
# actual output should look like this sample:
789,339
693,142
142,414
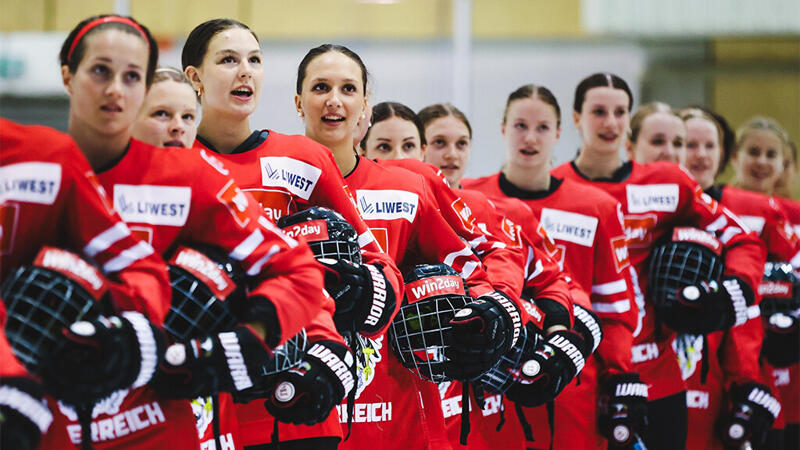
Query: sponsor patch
652,197
705,200
313,230
775,289
434,286
697,236
156,205
387,204
568,226
554,251
297,177
73,267
30,182
236,201
622,259
464,214
275,203
205,269
637,230
513,232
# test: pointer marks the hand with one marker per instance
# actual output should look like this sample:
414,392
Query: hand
709,306
482,331
306,394
782,340
364,299
230,361
93,359
623,409
24,416
544,373
588,325
751,417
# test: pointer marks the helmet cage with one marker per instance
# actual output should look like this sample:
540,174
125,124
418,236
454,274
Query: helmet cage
501,377
675,265
194,310
335,249
287,355
39,303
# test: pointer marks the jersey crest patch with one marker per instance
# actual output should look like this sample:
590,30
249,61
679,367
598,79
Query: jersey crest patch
387,204
689,348
368,355
156,205
31,182
621,256
465,214
297,177
203,409
569,226
652,197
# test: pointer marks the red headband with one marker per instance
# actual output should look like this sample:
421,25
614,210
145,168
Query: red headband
100,21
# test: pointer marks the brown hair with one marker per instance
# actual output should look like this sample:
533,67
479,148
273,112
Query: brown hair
643,113
386,110
196,45
537,92
430,113
600,80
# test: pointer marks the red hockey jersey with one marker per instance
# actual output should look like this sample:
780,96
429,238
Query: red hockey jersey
50,196
655,198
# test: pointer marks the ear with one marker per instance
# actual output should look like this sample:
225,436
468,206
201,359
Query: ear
629,149
576,118
503,129
193,74
298,105
558,133
66,78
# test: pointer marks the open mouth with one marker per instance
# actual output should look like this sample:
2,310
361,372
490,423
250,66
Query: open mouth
242,93
111,108
608,137
173,143
332,119
528,152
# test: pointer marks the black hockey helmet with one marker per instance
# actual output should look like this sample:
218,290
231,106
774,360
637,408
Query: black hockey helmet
434,292
56,290
327,232
207,287
779,289
690,256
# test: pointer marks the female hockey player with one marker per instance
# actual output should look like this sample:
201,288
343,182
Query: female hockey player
657,134
589,244
173,196
655,198
168,117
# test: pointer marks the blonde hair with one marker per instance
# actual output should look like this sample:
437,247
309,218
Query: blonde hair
645,111
765,124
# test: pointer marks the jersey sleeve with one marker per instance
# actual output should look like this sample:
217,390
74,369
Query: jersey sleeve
779,237
612,290
278,269
138,276
740,348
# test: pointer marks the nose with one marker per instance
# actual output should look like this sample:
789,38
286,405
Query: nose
114,87
333,99
176,127
245,70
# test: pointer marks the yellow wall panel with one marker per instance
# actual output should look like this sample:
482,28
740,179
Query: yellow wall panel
67,13
526,18
774,49
178,17
336,19
16,15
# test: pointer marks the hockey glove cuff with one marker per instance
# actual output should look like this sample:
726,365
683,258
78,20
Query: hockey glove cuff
709,306
588,325
623,409
751,417
24,415
782,340
364,298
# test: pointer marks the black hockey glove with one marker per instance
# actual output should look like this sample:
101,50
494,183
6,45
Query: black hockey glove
623,409
483,331
365,300
752,414
306,394
93,359
588,325
545,373
782,340
24,415
709,306
230,361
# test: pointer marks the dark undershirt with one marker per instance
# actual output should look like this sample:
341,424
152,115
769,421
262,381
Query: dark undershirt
110,165
255,139
619,175
511,190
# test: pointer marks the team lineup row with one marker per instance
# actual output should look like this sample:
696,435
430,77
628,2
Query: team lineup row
169,283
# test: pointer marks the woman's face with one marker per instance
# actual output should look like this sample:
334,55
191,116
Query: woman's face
703,151
759,161
393,138
530,131
604,119
448,148
230,77
168,117
661,138
332,99
108,85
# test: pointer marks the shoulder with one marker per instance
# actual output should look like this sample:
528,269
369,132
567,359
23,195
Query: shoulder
563,170
37,142
472,183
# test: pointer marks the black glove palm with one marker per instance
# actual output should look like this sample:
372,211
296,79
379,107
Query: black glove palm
364,299
751,417
709,306
782,340
623,409
306,394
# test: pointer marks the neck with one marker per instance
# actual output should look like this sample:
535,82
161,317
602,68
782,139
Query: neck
99,150
534,179
595,165
345,156
223,133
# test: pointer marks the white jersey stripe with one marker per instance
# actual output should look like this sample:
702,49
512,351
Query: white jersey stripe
619,306
449,259
468,269
477,241
612,287
795,262
753,312
365,238
247,246
528,263
128,257
539,269
106,239
256,268
274,228
717,224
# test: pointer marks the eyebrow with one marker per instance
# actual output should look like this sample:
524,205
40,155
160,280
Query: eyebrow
349,80
106,59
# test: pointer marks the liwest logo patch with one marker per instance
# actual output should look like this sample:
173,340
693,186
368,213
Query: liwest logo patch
32,182
387,205
652,197
568,226
296,176
156,205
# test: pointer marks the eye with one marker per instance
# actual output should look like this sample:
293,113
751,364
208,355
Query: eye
132,77
677,143
161,114
598,111
543,127
320,87
521,126
772,154
410,146
438,142
255,59
100,69
619,112
658,141
462,144
384,147
227,59
350,88
691,145
188,117
753,151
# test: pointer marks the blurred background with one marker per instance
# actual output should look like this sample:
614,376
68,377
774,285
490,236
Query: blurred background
738,57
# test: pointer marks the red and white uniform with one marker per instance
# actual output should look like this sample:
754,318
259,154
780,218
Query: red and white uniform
401,211
50,196
182,196
584,231
656,197
287,174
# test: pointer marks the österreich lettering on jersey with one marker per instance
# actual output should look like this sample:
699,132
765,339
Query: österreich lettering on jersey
652,197
31,182
73,267
387,204
569,226
297,177
704,238
156,205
